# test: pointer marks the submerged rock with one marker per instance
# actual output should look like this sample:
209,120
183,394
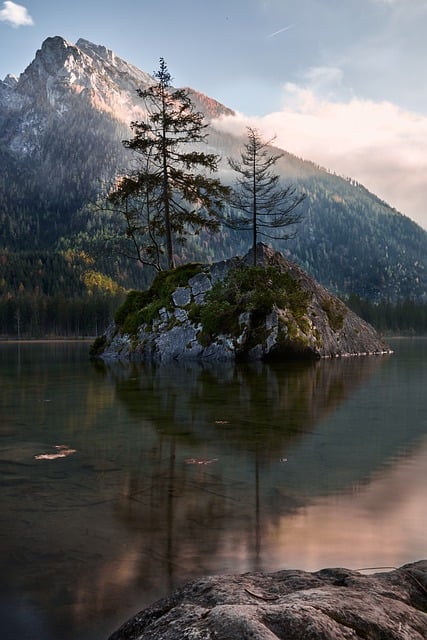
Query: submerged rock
332,604
230,310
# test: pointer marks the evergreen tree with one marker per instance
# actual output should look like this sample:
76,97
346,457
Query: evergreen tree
267,207
170,194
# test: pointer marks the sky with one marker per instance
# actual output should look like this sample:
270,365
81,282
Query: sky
339,82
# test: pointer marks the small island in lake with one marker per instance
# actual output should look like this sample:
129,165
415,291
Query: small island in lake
233,310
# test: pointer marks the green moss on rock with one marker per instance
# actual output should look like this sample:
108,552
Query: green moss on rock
250,289
142,307
335,310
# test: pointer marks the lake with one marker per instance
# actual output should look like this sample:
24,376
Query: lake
121,482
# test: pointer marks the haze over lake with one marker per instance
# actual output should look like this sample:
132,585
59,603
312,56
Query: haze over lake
121,482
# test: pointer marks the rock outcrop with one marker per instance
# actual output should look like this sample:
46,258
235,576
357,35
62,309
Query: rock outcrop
284,314
331,604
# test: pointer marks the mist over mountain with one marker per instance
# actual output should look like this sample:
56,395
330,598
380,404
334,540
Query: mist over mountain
62,123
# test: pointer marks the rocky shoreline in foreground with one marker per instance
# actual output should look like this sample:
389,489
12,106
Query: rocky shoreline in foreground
331,604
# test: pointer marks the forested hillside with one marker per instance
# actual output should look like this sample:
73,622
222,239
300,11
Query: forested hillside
69,164
358,244
54,294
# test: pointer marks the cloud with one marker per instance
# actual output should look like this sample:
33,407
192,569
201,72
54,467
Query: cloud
15,14
380,145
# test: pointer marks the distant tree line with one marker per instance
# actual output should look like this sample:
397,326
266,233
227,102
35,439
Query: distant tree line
35,315
406,317
40,316
52,294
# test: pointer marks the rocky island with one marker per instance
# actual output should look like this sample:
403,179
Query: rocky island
232,310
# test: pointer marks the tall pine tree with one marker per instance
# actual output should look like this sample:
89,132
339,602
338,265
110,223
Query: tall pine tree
258,201
172,192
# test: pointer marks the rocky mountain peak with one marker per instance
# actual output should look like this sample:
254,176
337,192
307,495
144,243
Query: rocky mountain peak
96,49
62,70
56,55
10,80
112,64
55,51
57,67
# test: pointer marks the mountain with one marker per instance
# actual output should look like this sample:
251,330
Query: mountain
61,129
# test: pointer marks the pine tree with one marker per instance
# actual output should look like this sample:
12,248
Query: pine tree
171,193
258,201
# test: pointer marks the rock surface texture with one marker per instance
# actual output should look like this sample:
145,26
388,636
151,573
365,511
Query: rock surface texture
322,327
332,604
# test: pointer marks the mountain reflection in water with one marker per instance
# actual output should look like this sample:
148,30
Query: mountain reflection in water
183,470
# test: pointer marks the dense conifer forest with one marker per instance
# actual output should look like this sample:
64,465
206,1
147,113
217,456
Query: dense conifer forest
54,295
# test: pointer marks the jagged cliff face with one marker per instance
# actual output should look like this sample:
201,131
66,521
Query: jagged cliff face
65,77
61,69
61,72
300,320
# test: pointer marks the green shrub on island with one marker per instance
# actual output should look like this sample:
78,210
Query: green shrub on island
142,307
254,290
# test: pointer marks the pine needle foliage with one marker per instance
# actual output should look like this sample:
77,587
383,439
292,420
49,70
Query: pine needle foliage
172,193
258,201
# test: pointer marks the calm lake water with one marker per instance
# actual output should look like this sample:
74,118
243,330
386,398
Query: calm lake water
170,473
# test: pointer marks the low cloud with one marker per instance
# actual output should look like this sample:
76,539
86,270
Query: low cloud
15,14
376,143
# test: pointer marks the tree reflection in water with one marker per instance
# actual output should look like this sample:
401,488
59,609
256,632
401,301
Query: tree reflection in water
211,476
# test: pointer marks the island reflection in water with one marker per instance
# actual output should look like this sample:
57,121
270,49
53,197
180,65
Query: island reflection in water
185,470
